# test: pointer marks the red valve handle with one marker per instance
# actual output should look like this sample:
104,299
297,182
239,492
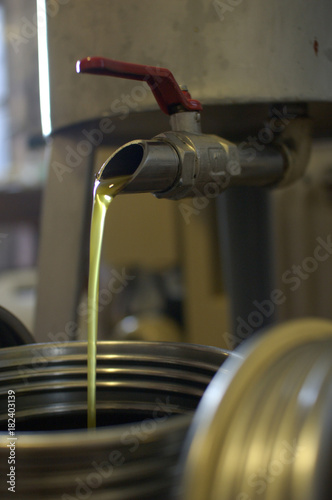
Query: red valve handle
161,81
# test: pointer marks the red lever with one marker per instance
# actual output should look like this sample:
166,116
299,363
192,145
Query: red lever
161,81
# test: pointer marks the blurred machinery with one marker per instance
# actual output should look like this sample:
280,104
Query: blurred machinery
262,71
217,51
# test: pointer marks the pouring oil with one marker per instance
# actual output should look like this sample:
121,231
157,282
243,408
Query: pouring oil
104,193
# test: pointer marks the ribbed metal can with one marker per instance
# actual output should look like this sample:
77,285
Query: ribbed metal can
147,393
262,430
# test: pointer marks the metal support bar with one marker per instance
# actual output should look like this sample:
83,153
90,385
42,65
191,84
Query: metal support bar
64,236
247,256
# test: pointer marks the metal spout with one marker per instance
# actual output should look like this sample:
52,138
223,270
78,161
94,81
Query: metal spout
153,166
178,165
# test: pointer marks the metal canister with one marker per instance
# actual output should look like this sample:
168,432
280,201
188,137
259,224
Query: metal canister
146,396
262,430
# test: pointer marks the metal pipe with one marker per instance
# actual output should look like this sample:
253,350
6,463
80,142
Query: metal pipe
153,166
260,168
174,164
179,164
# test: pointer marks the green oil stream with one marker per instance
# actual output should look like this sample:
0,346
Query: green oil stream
104,193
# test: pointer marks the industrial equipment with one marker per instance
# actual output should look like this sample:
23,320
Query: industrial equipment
259,75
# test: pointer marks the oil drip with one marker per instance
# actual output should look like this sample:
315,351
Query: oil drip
104,193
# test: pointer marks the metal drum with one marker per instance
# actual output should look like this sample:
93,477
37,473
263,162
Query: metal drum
263,428
146,395
226,52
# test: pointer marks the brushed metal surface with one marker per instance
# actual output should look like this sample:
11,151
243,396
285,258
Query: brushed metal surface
146,395
263,427
253,53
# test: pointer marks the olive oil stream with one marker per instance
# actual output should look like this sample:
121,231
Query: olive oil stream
104,193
